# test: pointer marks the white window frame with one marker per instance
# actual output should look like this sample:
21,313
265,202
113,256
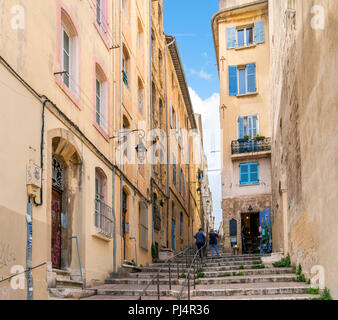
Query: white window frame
69,54
245,36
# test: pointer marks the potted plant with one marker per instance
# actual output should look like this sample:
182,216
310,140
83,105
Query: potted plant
246,138
259,138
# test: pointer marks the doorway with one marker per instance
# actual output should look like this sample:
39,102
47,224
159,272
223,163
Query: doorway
250,233
56,208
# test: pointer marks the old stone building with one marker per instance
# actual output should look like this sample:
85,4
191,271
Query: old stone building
241,39
303,104
79,196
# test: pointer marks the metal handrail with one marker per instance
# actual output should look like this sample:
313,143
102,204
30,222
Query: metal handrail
192,265
27,270
158,274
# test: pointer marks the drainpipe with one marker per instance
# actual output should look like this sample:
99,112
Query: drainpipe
167,129
29,249
151,115
114,217
121,127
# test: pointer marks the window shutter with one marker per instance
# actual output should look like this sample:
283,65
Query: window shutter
254,126
251,77
231,37
250,127
179,178
171,114
240,128
233,81
244,173
254,178
259,32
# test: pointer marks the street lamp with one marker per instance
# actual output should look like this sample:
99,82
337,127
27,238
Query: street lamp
140,148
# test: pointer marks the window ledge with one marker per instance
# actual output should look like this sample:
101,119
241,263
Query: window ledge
249,185
100,235
68,91
103,133
247,94
103,36
246,47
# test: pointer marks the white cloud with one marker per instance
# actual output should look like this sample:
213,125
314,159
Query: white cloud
201,74
209,109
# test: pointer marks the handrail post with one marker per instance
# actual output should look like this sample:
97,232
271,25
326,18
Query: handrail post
158,286
169,276
189,286
194,275
177,267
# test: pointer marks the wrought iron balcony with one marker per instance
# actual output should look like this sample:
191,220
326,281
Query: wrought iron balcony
241,146
104,218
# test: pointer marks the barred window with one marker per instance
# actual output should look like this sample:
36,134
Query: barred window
143,226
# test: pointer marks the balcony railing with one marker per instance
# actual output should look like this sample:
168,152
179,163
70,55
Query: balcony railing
104,218
250,146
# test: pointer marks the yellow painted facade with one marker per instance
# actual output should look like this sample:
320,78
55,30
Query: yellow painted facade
72,125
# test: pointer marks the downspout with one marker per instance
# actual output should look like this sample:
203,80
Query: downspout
167,129
114,171
151,117
121,127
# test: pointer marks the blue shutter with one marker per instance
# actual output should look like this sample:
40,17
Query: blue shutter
244,174
251,77
259,32
240,34
240,128
242,81
231,37
254,177
254,126
233,81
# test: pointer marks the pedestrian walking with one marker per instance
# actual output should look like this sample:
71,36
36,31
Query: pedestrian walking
200,241
213,243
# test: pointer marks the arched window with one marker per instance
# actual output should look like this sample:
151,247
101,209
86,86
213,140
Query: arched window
125,66
69,53
101,98
140,95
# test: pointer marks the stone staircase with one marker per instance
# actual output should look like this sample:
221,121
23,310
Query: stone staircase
226,278
66,288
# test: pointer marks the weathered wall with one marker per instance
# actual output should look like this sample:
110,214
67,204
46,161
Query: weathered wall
304,118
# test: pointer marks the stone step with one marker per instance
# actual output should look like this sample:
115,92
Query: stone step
70,293
62,283
266,297
206,263
243,289
163,281
250,289
282,297
62,274
248,279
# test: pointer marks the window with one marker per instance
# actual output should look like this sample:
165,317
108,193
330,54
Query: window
103,213
143,227
183,181
179,179
125,67
174,170
69,53
181,224
245,36
98,12
249,173
140,36
101,99
242,79
140,95
247,126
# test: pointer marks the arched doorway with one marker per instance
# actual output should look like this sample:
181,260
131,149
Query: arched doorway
64,199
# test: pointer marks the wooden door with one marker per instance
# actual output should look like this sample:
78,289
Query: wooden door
56,228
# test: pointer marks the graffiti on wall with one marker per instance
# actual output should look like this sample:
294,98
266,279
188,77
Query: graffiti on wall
7,255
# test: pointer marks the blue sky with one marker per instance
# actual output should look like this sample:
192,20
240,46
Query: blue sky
190,22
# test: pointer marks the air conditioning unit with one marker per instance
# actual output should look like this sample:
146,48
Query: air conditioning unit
33,180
